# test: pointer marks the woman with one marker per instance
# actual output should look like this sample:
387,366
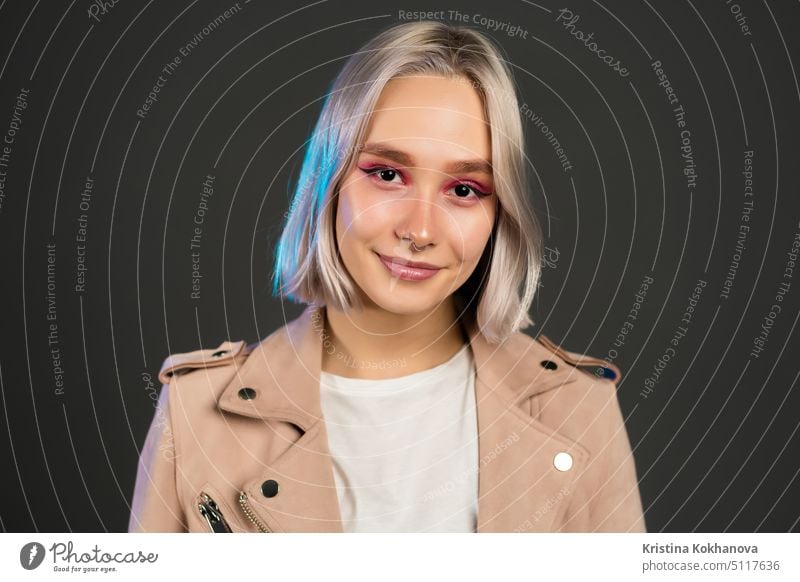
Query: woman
405,397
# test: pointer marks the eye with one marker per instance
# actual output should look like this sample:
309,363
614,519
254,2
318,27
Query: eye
463,190
383,173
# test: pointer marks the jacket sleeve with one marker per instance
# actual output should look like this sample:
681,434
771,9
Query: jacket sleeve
155,506
609,499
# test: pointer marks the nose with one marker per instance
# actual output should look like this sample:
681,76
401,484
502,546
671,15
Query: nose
417,217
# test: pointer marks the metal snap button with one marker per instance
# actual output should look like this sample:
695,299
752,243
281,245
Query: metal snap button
247,393
549,364
219,354
269,488
562,461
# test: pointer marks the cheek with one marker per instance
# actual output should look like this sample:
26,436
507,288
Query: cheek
362,215
469,236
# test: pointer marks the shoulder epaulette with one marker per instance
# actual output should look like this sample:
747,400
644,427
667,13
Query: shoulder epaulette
219,356
609,370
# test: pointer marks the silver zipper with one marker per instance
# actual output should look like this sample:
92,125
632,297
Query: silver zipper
249,513
209,509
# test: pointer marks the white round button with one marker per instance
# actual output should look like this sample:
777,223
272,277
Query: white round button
562,461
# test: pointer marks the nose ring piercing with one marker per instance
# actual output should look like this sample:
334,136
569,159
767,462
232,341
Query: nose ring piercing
414,246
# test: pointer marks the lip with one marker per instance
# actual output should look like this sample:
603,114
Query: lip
408,270
414,264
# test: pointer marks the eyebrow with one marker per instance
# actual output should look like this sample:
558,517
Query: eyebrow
463,166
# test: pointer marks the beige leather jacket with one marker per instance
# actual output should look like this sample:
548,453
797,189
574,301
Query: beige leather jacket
238,442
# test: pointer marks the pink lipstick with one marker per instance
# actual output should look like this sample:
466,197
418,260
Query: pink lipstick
408,270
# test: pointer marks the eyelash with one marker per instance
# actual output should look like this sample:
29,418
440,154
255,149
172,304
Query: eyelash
371,171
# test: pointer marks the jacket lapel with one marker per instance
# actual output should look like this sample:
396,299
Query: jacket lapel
519,487
284,371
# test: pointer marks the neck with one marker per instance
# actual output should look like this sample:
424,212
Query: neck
373,343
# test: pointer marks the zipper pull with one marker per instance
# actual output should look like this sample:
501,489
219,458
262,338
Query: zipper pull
210,511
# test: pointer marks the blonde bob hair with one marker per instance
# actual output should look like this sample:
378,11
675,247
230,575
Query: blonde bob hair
308,268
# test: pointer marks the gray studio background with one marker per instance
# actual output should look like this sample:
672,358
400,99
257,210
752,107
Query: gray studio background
669,187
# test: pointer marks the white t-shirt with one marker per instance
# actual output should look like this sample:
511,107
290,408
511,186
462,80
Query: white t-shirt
405,450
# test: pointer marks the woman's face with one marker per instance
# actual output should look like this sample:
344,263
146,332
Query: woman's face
424,174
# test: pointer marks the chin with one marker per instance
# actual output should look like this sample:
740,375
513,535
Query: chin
403,302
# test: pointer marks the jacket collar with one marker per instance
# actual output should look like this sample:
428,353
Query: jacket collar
284,370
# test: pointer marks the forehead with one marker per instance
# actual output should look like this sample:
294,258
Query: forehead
433,117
